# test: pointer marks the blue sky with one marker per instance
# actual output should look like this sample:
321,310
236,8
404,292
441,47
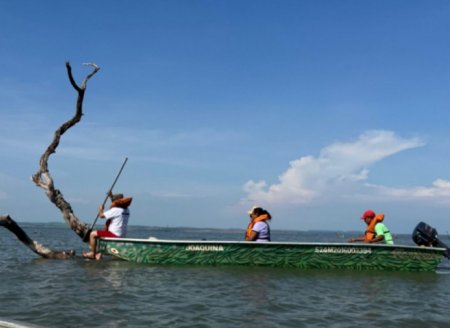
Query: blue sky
315,110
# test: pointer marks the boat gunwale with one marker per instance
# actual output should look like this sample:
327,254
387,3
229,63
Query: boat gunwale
287,243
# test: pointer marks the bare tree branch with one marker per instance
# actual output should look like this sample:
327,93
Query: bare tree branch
43,178
11,225
95,70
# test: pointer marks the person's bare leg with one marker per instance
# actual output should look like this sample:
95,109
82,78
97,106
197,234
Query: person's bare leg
93,241
92,244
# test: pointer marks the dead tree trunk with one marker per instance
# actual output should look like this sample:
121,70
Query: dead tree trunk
44,180
11,225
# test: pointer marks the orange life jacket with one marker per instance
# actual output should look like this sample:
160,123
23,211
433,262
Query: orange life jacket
370,232
122,202
258,219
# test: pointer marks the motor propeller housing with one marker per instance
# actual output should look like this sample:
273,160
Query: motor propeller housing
425,235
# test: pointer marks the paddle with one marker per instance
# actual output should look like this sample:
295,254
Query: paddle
88,232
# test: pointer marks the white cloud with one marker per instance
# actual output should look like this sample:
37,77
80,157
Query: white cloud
27,134
440,190
339,171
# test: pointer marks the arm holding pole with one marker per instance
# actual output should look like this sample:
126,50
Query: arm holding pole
108,194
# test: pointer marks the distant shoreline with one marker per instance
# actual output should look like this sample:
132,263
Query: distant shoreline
237,230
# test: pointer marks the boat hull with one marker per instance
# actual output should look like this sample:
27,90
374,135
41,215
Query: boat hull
273,254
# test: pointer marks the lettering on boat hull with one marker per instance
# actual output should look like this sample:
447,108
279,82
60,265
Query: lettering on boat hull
343,250
204,248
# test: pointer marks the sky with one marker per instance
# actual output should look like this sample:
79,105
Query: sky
314,110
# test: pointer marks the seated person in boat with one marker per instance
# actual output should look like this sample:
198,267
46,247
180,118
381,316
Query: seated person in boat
116,223
376,232
258,228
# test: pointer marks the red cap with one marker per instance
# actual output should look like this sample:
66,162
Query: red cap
368,214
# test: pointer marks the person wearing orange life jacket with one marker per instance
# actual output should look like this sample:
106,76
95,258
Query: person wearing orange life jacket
376,230
258,228
116,223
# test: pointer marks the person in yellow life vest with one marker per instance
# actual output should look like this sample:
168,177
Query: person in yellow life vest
258,228
376,232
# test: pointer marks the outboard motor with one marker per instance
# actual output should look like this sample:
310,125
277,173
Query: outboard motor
425,235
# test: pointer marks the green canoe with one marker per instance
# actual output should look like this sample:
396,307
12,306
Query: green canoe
274,254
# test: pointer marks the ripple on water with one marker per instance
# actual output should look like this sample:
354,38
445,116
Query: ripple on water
81,293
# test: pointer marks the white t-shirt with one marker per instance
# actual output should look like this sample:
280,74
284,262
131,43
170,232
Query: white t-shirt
119,220
263,230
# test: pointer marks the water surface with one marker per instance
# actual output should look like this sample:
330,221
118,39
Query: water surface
113,293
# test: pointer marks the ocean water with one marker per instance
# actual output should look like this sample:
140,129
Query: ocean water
113,293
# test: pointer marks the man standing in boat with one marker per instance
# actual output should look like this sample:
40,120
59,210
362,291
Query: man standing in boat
116,223
376,232
258,228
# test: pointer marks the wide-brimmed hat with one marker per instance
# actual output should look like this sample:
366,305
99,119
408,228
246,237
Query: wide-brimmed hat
250,212
116,197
